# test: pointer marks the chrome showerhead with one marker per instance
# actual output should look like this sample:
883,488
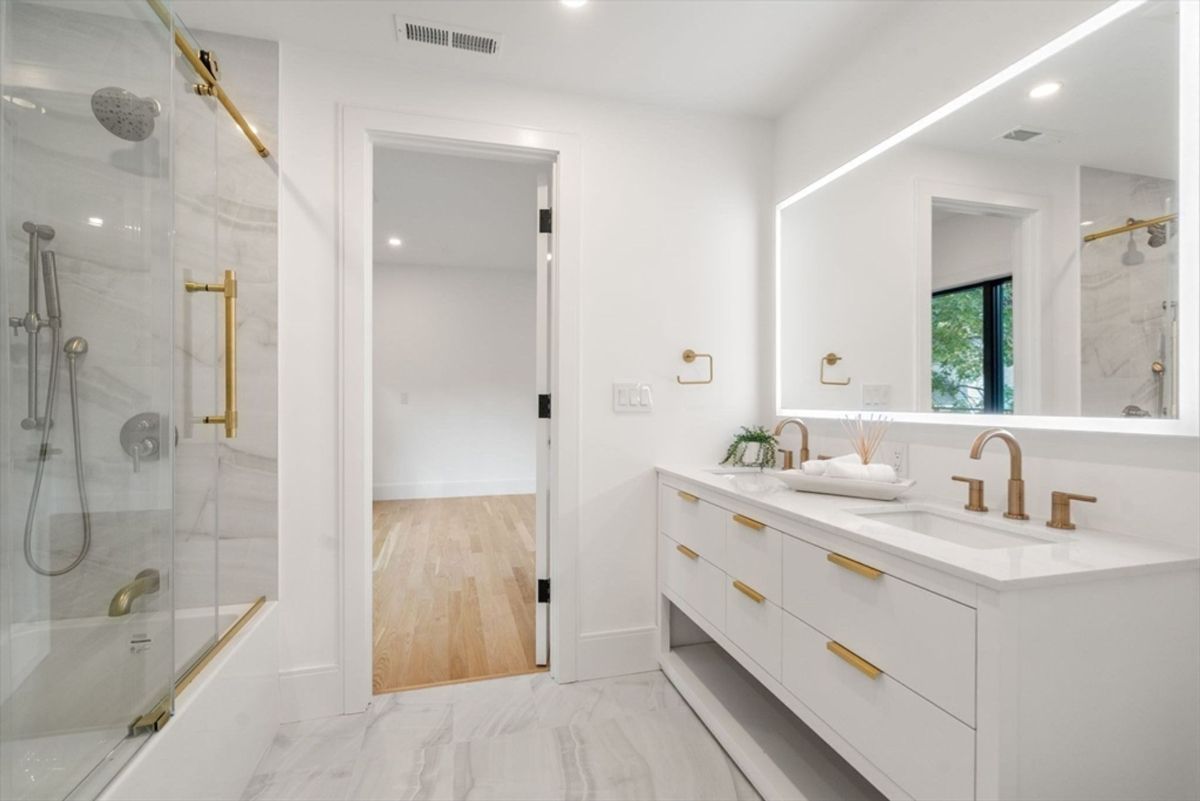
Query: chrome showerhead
76,346
1132,256
124,114
1158,235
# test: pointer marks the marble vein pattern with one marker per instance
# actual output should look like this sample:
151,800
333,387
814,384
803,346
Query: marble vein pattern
520,737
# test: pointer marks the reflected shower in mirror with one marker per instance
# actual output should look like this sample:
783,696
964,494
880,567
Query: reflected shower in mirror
1018,256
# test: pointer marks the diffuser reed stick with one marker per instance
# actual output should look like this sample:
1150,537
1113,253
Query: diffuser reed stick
866,435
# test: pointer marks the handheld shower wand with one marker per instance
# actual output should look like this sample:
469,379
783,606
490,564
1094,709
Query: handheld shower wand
75,347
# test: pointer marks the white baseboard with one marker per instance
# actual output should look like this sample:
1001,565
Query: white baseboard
453,489
312,692
617,653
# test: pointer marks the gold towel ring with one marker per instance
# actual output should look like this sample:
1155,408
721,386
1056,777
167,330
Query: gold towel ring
831,359
690,356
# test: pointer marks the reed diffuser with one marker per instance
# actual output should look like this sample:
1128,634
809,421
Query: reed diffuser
865,435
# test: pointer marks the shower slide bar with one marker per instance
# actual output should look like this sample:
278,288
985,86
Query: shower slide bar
206,67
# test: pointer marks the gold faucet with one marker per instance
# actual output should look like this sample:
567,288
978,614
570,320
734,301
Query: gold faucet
788,457
1016,485
145,582
1060,509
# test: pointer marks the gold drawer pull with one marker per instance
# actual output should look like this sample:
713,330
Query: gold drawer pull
749,522
853,566
688,552
854,660
687,496
749,592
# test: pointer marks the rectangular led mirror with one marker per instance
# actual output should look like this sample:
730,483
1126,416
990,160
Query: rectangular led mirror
1024,252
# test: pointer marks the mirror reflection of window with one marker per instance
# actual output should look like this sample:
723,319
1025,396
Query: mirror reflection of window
973,348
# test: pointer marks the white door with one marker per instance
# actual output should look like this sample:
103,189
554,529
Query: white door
542,504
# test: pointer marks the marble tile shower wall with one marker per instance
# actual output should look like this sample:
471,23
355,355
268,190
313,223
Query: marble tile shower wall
1126,311
117,295
246,219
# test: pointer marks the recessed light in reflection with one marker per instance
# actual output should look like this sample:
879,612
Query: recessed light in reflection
395,241
96,222
1045,90
1086,223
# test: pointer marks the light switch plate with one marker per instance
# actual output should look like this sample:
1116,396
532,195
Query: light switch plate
876,396
632,396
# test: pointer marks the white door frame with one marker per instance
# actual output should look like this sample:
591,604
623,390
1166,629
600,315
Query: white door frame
360,130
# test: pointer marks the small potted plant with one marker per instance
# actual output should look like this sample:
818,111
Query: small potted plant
752,447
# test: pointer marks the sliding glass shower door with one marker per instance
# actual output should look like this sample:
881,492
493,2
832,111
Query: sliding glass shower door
87,648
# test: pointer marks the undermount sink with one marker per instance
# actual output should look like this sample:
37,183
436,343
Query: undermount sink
954,527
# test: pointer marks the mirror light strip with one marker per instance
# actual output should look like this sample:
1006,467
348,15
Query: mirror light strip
1084,29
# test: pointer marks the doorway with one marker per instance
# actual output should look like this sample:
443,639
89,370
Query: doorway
460,436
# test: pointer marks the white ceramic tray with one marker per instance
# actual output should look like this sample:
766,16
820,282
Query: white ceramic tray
852,487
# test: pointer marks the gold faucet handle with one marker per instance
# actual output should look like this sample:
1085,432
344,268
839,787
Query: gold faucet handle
974,493
1060,508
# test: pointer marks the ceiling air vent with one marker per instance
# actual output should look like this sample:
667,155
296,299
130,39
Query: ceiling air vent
451,37
1021,135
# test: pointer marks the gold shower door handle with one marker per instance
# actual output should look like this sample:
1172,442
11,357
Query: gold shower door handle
228,289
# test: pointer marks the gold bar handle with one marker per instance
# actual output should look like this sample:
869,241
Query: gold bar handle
749,592
854,660
688,552
854,566
687,496
749,522
228,288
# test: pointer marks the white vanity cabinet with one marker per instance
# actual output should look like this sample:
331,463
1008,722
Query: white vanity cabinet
929,682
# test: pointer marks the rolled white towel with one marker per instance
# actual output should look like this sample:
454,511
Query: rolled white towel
819,467
863,472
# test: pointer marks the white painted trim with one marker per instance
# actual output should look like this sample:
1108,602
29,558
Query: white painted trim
360,130
453,489
618,652
310,692
1188,423
1034,250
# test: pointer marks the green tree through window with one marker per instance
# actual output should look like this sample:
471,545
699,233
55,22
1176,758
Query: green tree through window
972,355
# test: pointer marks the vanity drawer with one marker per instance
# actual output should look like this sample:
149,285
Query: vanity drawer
692,522
753,623
753,552
924,750
694,579
926,640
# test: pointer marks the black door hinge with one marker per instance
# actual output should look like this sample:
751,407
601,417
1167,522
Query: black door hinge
543,407
545,221
543,591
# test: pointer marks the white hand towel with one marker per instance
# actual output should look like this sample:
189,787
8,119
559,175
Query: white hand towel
819,467
862,472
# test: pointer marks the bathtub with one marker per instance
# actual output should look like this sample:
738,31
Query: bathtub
73,709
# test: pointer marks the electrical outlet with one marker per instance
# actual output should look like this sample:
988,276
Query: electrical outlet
894,454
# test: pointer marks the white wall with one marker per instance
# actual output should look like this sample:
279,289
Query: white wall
970,248
453,365
1148,486
673,256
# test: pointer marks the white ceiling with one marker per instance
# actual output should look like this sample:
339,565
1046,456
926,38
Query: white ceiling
455,211
742,56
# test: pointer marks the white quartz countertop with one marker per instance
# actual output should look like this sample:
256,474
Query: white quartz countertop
1078,555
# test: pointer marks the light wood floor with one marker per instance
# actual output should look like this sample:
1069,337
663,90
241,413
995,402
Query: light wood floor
453,590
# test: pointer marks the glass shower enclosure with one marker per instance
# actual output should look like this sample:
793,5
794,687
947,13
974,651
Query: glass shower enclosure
108,474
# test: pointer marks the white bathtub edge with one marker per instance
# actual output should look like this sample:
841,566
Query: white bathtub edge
222,726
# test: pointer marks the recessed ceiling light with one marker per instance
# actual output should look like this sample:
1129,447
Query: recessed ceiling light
395,241
573,3
96,222
1086,223
1045,90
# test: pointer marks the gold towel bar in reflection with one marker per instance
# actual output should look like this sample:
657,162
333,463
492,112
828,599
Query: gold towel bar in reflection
749,592
688,552
749,522
831,359
854,565
1130,225
853,659
205,67
228,288
690,356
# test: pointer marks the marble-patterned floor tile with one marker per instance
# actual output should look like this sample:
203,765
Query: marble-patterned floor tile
309,785
593,701
493,708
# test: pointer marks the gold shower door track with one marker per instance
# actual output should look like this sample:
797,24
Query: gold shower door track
211,85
